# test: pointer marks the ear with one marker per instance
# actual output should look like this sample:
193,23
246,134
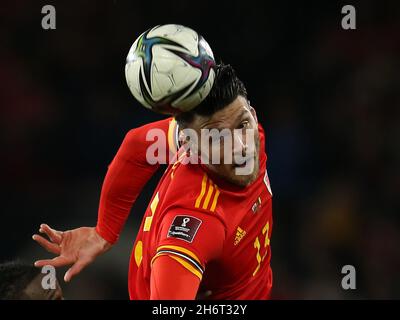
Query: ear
186,142
253,113
181,137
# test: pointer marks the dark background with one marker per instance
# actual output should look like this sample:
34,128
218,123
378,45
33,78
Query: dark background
327,97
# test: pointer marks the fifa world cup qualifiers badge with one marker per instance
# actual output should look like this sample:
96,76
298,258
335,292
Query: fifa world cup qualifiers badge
184,228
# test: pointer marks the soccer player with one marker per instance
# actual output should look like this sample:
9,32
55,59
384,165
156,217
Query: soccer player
206,232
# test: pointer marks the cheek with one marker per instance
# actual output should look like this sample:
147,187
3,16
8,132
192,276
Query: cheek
256,141
216,152
221,170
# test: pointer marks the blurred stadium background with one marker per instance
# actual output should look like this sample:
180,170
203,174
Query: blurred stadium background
328,99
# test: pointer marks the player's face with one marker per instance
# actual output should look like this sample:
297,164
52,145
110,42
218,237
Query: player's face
238,120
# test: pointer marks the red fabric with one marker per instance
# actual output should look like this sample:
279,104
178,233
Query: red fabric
127,174
208,242
231,245
229,266
171,281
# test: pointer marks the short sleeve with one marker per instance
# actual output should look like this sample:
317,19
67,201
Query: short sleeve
191,238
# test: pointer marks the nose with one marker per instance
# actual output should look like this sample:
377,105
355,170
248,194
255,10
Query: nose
239,144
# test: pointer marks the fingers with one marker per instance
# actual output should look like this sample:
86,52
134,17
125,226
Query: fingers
75,269
54,235
51,247
56,262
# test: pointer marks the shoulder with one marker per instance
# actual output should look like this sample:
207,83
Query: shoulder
162,135
139,133
192,234
191,187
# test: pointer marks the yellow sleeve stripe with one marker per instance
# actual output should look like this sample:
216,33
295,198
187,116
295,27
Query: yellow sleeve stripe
214,203
208,197
203,191
186,255
149,220
139,253
185,264
180,249
172,136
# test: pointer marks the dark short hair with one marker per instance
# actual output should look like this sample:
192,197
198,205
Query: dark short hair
227,87
15,276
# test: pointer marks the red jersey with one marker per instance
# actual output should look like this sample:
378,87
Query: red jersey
219,232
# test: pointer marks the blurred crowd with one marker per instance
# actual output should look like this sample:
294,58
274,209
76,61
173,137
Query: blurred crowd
328,99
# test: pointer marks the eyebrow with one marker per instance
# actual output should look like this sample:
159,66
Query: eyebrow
239,118
244,111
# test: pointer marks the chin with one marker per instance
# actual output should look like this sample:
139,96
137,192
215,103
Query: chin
244,181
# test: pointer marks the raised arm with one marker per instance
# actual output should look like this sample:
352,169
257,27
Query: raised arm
127,174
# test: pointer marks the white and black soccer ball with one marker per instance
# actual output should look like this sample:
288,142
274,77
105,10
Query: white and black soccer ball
170,69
